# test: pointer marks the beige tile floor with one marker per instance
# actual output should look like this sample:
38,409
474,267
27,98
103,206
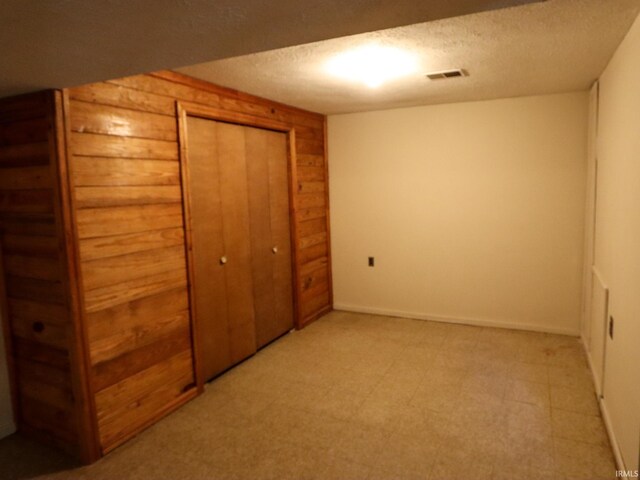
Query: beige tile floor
366,397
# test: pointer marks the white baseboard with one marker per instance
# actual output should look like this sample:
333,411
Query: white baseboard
7,428
446,319
617,453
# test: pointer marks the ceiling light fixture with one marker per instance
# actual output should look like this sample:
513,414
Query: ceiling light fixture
372,65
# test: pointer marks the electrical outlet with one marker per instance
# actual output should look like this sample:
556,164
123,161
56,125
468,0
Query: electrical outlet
371,262
611,327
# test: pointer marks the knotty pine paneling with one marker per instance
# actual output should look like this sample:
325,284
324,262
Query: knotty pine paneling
37,318
124,135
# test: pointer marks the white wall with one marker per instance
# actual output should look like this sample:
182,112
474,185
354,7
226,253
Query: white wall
473,211
6,414
617,237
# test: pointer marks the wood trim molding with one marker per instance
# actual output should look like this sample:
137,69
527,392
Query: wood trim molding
196,331
222,115
88,436
328,215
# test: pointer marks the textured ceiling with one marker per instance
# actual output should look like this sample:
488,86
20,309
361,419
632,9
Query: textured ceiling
556,46
62,43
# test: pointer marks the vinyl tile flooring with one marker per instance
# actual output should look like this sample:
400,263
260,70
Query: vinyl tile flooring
363,397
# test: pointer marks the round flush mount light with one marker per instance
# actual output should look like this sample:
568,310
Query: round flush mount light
372,65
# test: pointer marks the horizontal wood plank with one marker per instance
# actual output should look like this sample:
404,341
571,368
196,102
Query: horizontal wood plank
24,178
310,174
128,364
119,96
313,305
95,145
157,86
101,247
36,290
43,268
136,314
305,160
47,374
314,252
122,343
23,155
304,214
311,200
311,187
103,222
30,245
109,120
33,130
101,298
311,240
311,227
38,352
48,422
127,405
98,171
308,146
37,225
32,311
55,395
26,201
21,107
42,330
96,197
123,268
313,265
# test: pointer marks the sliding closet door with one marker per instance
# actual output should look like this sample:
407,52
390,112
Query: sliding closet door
270,234
220,238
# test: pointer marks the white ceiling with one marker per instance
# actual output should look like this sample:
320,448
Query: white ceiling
541,48
63,43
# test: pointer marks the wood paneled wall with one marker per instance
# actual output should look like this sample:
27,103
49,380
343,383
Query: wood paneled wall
94,284
124,151
38,305
125,177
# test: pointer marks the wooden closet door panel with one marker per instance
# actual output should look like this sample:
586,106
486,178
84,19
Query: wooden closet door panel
234,193
208,246
256,141
277,157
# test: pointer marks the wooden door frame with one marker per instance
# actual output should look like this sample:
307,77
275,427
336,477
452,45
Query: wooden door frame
185,109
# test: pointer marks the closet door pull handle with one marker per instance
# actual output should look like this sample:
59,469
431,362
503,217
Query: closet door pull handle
274,250
223,260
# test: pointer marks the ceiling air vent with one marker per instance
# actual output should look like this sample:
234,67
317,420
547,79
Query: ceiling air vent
459,72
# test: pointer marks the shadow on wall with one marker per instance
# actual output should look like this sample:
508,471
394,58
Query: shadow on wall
21,458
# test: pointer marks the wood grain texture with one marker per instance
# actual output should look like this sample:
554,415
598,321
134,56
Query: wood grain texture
115,196
36,313
114,245
155,94
94,145
107,271
127,405
109,296
99,236
119,96
107,172
122,122
104,222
